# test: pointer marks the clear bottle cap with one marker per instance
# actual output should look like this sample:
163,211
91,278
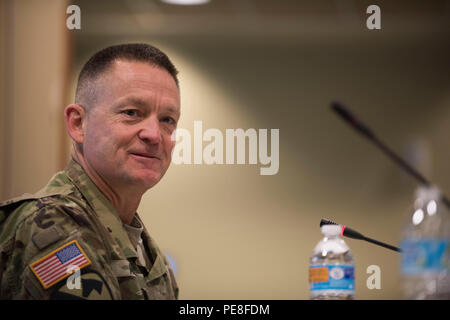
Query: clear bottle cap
331,230
426,194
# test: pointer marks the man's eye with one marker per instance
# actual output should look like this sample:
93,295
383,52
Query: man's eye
130,112
169,120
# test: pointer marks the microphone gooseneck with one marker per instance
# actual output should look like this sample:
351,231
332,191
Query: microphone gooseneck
345,114
350,233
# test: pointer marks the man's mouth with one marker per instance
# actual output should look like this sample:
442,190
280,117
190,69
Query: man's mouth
145,155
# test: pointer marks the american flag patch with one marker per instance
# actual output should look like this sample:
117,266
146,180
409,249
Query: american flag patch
58,264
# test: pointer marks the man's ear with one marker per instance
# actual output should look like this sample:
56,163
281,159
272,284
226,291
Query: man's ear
74,116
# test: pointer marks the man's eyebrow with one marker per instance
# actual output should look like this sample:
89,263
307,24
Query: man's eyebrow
173,110
133,101
138,102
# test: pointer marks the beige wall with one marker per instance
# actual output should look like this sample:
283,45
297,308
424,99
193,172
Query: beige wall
34,72
3,89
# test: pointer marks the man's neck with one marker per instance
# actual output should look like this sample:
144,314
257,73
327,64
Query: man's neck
124,200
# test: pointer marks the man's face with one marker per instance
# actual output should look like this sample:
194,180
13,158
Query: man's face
127,133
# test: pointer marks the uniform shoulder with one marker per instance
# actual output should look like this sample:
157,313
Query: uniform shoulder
41,209
59,187
39,229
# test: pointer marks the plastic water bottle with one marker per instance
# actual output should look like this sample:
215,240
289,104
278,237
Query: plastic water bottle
425,261
331,269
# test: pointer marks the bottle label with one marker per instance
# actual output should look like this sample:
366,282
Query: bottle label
425,255
332,277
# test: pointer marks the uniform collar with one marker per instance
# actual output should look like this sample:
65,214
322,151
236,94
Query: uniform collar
102,207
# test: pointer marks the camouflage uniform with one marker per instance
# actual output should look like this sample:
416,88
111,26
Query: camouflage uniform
124,262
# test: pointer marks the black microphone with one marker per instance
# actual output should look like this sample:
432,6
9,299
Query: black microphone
350,233
343,112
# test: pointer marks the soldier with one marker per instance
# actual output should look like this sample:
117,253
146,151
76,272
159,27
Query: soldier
80,236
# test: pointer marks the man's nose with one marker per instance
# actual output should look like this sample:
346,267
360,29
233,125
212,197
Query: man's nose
150,131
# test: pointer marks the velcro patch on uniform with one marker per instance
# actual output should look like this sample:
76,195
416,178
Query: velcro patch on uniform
47,237
59,263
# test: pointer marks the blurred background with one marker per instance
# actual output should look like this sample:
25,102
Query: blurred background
231,232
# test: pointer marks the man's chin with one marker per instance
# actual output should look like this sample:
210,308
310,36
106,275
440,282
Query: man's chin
149,180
